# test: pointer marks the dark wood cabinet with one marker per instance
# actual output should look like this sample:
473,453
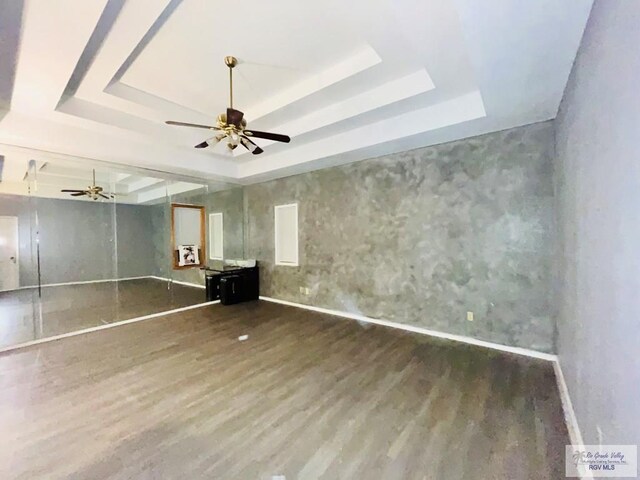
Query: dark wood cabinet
246,286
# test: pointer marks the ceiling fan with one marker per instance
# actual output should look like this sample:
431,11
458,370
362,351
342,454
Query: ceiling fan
232,126
93,191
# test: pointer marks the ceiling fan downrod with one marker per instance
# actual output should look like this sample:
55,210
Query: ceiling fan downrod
230,62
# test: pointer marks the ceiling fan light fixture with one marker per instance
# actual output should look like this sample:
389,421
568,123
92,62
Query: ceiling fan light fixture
249,145
233,124
93,191
211,142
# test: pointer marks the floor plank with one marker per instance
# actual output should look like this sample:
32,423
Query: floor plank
308,396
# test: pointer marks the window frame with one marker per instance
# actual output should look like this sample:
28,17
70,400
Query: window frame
278,260
211,235
203,247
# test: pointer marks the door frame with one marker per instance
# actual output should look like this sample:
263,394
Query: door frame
15,217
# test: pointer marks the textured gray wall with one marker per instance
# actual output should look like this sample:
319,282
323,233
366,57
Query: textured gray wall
598,191
161,239
424,236
134,228
229,202
77,239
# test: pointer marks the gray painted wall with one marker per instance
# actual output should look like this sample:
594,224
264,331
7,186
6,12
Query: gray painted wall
135,241
598,191
77,239
229,202
424,236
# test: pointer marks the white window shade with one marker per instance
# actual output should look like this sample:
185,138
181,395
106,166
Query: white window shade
187,226
216,236
286,234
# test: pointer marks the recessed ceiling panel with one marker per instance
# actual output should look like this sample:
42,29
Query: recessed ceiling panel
279,45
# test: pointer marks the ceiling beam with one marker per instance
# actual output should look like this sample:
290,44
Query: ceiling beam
171,189
142,184
52,41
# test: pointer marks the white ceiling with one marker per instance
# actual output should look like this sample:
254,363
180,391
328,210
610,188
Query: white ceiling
346,80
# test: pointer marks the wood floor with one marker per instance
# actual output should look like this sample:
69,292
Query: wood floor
68,308
308,396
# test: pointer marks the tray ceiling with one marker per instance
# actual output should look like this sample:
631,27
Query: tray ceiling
346,80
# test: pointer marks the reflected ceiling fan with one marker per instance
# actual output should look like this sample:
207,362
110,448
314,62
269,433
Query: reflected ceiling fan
94,191
231,126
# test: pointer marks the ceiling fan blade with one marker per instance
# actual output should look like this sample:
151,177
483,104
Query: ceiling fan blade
268,136
234,117
183,124
79,194
211,141
249,145
72,191
103,196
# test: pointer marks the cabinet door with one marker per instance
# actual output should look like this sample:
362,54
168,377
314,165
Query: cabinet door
213,287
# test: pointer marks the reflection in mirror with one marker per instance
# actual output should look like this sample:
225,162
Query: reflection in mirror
187,235
92,243
216,236
18,270
229,203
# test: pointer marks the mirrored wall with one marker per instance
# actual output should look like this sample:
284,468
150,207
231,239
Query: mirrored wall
85,244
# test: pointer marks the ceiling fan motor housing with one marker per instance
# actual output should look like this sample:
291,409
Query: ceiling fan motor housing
222,120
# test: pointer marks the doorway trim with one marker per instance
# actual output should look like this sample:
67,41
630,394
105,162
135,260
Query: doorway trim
17,243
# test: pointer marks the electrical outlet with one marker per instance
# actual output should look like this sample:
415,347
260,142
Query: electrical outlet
470,316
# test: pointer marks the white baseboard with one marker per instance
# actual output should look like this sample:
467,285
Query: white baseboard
570,418
567,406
104,327
188,284
105,280
424,331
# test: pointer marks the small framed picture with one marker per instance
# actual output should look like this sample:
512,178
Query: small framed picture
188,255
